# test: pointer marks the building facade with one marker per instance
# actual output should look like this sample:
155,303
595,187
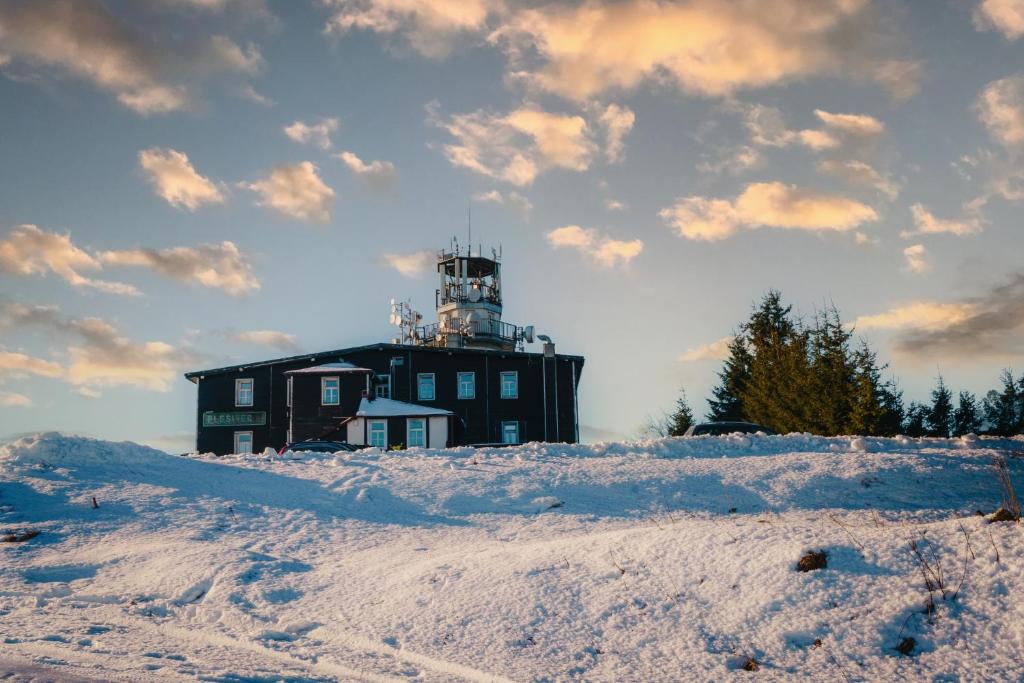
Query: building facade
465,380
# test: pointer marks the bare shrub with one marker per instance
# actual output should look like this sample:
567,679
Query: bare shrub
1010,511
906,646
812,560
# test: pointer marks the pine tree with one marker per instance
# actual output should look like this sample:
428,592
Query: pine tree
832,375
727,402
1002,409
917,414
893,413
940,415
682,419
868,409
967,417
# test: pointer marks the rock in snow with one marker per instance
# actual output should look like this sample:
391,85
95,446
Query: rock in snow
541,562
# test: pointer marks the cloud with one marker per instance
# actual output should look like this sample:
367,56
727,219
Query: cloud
377,174
296,191
100,356
733,161
1000,107
88,392
82,38
411,264
14,364
767,128
774,205
614,205
716,350
176,181
250,93
857,125
513,199
271,338
1005,16
617,122
925,223
919,315
860,173
318,134
917,258
987,325
9,399
430,25
219,266
603,250
706,47
31,251
518,146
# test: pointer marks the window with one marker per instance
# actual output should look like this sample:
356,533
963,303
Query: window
243,443
379,433
243,392
417,432
467,385
330,391
510,384
425,386
510,432
383,389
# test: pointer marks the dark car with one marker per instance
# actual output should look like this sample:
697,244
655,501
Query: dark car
721,428
318,447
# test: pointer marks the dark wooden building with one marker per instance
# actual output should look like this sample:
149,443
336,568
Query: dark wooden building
464,380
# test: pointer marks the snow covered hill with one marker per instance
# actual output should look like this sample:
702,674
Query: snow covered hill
666,560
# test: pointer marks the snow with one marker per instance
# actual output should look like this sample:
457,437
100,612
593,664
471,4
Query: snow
658,560
339,366
386,407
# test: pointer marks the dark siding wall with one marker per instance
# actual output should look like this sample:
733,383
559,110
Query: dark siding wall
476,421
311,419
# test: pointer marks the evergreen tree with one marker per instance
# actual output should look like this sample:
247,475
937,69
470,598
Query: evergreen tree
833,375
1002,409
940,415
967,417
868,410
726,404
682,418
893,413
914,424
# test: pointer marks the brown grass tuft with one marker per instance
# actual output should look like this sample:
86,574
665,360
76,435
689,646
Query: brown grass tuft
812,560
19,537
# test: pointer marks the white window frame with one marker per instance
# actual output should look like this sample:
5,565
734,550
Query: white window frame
514,374
506,423
409,430
370,430
290,391
472,385
383,383
419,387
239,383
237,449
323,391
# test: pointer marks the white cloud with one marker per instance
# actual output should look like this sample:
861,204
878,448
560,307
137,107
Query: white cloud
31,251
858,125
733,161
603,250
704,46
716,350
767,128
378,174
1005,16
518,146
614,205
87,392
10,399
176,181
860,173
411,264
921,315
430,25
15,364
1000,107
925,223
250,93
228,53
774,205
513,199
617,122
219,266
318,134
296,191
917,258
271,338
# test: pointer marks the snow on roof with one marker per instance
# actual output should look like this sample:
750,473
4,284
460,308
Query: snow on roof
386,407
340,366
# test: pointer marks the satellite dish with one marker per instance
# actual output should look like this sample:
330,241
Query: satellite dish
528,333
474,295
392,301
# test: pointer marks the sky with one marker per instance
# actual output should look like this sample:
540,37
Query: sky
193,183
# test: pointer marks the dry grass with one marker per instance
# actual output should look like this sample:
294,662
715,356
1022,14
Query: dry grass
812,560
19,537
1010,511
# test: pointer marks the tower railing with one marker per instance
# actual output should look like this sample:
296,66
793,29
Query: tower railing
455,293
495,331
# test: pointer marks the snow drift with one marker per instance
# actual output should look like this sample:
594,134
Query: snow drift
668,559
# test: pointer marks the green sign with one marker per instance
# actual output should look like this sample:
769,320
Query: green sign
236,419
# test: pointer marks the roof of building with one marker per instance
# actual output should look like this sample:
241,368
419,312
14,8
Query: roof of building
312,357
386,407
328,368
